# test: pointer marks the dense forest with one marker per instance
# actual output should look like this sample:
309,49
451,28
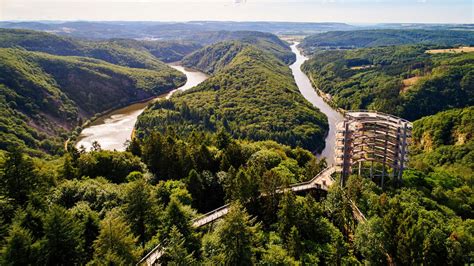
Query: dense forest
125,52
385,37
264,41
45,96
113,207
139,53
234,139
443,156
401,80
214,58
429,219
252,95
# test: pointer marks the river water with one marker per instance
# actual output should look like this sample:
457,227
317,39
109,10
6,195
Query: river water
112,130
310,94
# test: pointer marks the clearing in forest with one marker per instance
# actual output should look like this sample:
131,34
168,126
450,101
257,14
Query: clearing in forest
409,82
465,49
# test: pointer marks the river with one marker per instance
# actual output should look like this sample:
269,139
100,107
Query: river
307,90
112,130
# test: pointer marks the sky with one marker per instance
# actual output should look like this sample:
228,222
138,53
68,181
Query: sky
349,11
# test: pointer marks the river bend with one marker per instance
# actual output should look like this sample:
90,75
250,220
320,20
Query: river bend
112,130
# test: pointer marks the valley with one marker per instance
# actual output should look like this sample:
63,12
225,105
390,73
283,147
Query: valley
114,129
307,90
226,156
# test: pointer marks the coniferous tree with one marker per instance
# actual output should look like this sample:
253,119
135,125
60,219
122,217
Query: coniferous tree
179,216
134,146
223,139
287,215
139,209
236,236
270,182
68,170
17,247
195,186
115,244
89,225
62,238
339,209
175,252
294,242
153,154
19,177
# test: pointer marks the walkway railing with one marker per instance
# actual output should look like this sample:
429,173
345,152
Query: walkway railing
211,216
322,180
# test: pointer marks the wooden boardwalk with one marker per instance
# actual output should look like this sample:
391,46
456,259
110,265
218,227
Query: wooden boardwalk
322,181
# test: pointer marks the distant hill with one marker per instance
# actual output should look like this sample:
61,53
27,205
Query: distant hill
44,96
166,51
401,80
138,53
130,53
265,41
252,95
168,30
386,37
213,58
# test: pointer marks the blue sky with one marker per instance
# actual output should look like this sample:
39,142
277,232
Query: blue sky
350,11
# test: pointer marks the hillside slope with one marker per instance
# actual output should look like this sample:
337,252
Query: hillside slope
443,159
139,53
130,53
253,96
44,96
374,38
166,51
213,58
401,80
265,41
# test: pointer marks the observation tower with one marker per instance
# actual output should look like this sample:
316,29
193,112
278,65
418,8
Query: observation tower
374,143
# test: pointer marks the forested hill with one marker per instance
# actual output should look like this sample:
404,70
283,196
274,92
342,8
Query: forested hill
262,40
213,58
422,221
44,96
254,96
373,38
445,142
166,51
402,80
125,52
139,53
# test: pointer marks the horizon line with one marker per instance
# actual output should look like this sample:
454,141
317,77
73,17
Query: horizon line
240,21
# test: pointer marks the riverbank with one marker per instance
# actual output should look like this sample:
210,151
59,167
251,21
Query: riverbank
112,129
306,88
77,131
326,96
